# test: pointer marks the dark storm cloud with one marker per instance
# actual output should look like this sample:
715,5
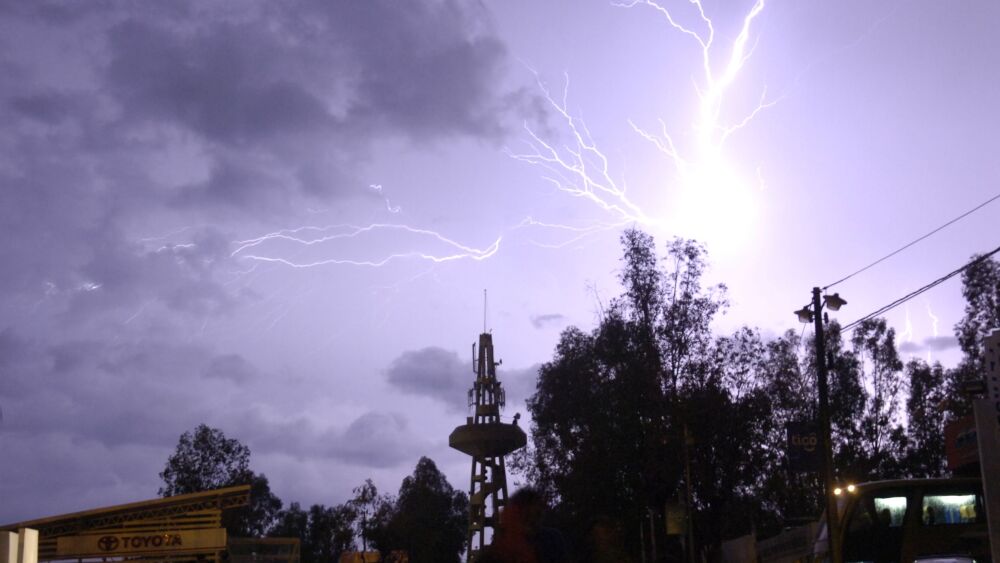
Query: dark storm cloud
179,276
519,383
222,81
418,70
289,78
110,411
138,392
248,108
542,321
233,367
941,343
432,372
46,107
374,439
127,121
441,375
930,344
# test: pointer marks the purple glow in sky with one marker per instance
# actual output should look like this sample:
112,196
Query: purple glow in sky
278,219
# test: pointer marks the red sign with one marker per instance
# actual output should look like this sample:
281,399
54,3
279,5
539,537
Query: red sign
960,444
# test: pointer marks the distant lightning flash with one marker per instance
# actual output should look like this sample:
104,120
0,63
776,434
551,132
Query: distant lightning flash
298,237
388,205
287,246
934,319
907,334
934,326
711,192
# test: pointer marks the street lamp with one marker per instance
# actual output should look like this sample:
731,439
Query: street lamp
812,314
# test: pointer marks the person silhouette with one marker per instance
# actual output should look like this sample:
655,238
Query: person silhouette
521,537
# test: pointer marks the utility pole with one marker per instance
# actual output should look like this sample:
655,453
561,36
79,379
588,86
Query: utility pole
689,502
832,517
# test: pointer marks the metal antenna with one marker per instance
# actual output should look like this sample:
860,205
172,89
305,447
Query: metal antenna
487,440
484,310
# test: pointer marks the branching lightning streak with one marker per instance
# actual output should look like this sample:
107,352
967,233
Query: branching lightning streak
353,231
577,167
581,169
578,233
934,319
934,326
907,334
708,168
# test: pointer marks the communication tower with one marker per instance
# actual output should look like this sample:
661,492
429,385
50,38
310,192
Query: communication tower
487,440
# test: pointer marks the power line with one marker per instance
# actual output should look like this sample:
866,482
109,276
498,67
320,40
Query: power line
890,255
911,295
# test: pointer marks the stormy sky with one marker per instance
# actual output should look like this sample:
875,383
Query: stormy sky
279,219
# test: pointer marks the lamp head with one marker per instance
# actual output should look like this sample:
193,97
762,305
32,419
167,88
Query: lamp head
805,315
834,302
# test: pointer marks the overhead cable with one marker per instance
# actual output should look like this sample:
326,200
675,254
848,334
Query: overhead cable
911,295
890,255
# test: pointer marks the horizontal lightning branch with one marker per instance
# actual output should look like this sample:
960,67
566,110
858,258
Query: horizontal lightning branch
298,236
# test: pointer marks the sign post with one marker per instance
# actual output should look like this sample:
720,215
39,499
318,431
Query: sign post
804,447
989,463
987,413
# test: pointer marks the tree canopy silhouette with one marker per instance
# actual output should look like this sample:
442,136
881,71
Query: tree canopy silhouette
206,460
623,413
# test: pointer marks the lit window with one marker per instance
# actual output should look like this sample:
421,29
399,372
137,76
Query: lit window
949,509
890,510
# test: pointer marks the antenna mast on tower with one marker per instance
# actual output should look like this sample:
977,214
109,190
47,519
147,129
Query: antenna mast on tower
487,440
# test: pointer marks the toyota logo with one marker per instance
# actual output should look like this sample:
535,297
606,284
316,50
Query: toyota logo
108,543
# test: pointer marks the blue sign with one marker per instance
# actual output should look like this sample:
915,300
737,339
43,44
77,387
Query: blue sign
805,448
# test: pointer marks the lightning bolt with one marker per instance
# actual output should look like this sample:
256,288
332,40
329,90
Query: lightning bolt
576,233
580,169
907,334
394,209
309,236
708,182
309,246
934,326
577,168
710,190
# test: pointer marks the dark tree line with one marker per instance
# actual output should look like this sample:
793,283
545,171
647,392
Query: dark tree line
625,412
427,518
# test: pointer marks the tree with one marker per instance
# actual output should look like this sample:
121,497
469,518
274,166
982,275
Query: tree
429,519
925,414
883,437
207,460
324,533
292,522
203,461
622,411
981,289
255,520
330,531
786,496
869,439
367,506
610,408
